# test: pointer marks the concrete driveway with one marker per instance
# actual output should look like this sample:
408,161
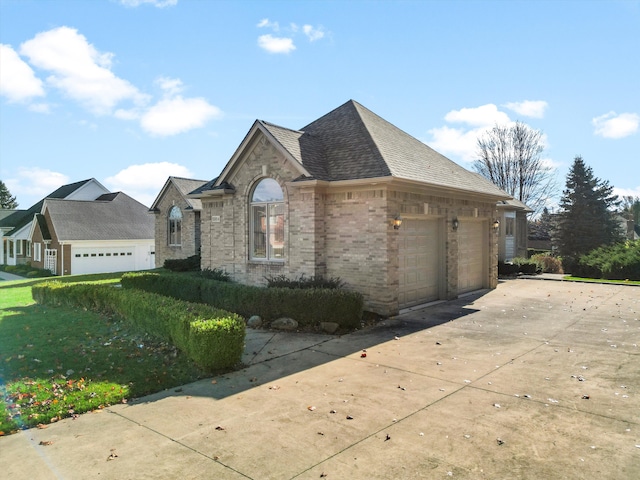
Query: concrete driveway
536,379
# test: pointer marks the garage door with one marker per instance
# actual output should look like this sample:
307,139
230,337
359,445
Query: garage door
102,259
472,256
419,262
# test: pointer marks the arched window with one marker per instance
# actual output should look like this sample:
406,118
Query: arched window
175,226
266,234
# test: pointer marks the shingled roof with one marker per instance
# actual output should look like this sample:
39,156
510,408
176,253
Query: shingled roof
109,217
22,217
184,186
351,142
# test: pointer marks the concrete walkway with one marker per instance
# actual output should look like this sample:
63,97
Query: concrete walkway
10,276
532,380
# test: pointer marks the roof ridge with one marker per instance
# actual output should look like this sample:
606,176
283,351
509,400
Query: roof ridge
265,122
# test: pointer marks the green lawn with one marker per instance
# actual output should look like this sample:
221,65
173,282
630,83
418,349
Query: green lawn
601,280
57,362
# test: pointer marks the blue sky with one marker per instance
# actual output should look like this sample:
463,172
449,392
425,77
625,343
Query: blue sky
132,91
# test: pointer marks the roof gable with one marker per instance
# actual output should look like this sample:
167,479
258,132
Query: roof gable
184,187
112,217
23,217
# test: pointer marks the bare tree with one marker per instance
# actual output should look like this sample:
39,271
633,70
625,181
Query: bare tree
509,156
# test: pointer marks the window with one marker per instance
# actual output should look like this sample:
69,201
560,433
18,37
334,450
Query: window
175,226
509,226
19,248
267,221
37,252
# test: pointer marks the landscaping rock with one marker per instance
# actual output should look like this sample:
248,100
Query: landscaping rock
284,323
329,327
255,321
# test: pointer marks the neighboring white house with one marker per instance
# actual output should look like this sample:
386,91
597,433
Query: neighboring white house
81,228
513,234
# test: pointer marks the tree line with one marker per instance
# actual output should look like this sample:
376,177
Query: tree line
590,215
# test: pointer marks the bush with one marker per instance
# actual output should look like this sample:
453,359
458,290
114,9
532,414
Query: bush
507,269
212,338
547,263
189,264
526,266
26,270
215,274
281,281
614,262
308,306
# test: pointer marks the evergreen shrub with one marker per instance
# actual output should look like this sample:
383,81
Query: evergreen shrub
189,264
614,262
211,337
308,306
547,263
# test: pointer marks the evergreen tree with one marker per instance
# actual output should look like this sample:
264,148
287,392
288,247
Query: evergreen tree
541,227
587,216
6,200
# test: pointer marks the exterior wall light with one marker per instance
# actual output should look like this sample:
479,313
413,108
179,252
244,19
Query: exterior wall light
397,221
455,223
496,224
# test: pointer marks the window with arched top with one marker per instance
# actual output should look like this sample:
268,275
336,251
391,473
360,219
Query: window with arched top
175,226
266,233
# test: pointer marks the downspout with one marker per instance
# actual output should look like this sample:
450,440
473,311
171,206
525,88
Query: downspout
62,259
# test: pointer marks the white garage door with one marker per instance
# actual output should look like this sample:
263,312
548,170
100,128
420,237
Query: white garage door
102,259
472,256
419,262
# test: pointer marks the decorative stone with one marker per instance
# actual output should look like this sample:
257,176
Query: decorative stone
329,327
284,323
255,321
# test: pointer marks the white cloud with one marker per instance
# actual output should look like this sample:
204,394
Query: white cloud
627,192
528,108
612,125
18,81
461,143
143,182
79,70
276,44
312,33
284,44
456,142
170,86
35,182
266,23
155,3
483,116
171,116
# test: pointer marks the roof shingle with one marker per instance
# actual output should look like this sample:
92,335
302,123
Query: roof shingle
351,142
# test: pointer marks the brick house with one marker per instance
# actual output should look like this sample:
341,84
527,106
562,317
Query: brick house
177,220
351,196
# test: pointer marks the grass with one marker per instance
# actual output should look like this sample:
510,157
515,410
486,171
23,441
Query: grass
58,362
601,280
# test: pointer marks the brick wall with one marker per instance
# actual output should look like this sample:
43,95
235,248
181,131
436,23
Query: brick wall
190,229
342,232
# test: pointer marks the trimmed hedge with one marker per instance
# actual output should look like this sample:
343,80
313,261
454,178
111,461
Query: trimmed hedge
308,307
212,338
189,264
